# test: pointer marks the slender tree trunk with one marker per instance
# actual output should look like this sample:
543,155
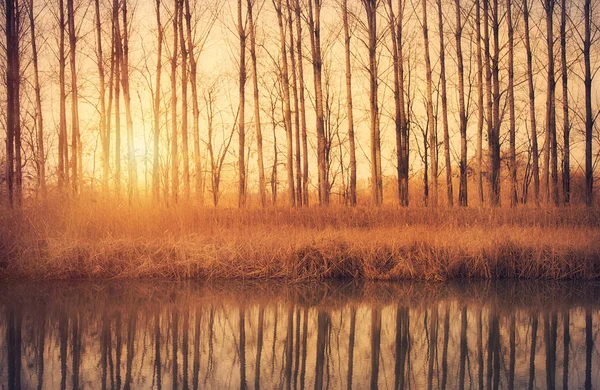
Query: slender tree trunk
290,23
494,134
75,137
398,92
550,157
157,92
403,106
534,140
118,55
302,103
242,117
286,99
430,118
257,123
63,151
462,190
102,87
511,107
11,37
195,107
132,187
449,192
589,124
376,182
480,109
41,155
566,168
184,106
314,21
174,136
488,87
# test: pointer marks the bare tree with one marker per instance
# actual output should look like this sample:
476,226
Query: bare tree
511,106
550,155
257,122
314,24
566,168
41,155
174,135
286,98
75,136
480,109
290,26
449,192
157,95
589,123
399,114
462,191
349,104
13,130
242,117
370,7
432,128
494,129
302,102
184,106
534,140
117,98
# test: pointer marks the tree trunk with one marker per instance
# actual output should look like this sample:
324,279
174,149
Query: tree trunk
511,107
257,123
430,118
118,55
132,182
184,107
462,190
376,182
286,99
174,151
157,88
41,156
566,168
11,38
589,124
195,108
75,137
349,108
480,109
242,118
398,93
290,23
494,134
302,103
449,192
102,87
550,157
63,151
314,21
488,89
534,140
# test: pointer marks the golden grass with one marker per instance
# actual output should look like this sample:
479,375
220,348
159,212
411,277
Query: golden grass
57,240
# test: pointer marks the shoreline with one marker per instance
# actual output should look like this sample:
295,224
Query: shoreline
301,245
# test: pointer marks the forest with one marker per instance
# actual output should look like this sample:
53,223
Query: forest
259,138
293,102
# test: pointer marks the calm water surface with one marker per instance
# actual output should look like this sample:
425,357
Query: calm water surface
460,335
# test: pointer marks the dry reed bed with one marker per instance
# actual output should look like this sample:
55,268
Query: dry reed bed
96,241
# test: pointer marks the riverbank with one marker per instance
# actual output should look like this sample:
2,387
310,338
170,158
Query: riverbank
95,241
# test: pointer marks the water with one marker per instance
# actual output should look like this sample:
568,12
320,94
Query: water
268,335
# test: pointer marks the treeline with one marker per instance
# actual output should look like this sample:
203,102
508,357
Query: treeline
454,69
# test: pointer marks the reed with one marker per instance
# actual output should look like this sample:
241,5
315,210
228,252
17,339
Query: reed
91,240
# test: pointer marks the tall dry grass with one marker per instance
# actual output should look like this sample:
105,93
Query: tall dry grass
64,240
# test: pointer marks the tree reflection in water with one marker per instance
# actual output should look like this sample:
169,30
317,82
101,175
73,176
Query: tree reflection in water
323,336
